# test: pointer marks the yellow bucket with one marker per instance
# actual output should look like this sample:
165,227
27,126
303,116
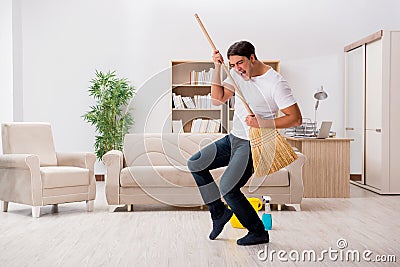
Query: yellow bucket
256,203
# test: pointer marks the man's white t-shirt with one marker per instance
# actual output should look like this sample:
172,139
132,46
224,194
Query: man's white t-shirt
266,95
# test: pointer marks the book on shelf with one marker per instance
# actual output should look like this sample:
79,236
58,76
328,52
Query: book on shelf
196,123
197,102
214,126
204,102
201,77
177,101
188,101
205,126
210,127
177,126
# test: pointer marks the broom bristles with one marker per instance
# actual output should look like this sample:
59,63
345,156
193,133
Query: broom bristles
270,151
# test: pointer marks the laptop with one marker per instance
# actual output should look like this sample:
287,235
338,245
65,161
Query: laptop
324,130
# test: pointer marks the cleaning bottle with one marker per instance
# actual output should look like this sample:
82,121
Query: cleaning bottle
266,217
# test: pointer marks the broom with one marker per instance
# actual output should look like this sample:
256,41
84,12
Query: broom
270,150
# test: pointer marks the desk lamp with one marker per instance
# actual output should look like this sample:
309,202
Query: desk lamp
319,95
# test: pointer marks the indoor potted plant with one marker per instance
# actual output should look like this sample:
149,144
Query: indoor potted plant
112,95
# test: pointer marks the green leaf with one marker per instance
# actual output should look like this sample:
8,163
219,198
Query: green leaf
112,94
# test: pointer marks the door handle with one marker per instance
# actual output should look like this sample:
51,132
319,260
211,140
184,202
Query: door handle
349,128
378,130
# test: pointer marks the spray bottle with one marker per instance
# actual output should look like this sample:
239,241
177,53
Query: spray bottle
266,217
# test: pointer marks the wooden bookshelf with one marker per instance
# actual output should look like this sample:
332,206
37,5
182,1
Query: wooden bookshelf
184,85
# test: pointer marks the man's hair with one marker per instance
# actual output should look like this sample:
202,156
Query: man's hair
242,48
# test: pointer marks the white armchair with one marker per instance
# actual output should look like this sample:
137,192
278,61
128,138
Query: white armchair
33,173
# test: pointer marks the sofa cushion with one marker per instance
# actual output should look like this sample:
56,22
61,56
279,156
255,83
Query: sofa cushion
164,149
30,138
279,178
63,176
167,176
160,176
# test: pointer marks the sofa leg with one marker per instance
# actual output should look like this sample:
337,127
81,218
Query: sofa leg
112,208
36,211
89,205
129,207
4,206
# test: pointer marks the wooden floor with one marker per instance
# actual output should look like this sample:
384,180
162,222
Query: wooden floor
166,236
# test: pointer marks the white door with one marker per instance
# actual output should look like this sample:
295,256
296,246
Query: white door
354,127
373,159
373,114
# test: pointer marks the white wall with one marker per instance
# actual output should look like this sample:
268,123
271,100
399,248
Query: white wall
63,42
18,61
6,66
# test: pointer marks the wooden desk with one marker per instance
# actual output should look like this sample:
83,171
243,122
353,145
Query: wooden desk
326,172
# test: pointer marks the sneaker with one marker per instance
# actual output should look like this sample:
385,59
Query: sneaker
254,239
219,224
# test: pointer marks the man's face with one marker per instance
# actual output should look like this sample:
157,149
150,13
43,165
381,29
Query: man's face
242,65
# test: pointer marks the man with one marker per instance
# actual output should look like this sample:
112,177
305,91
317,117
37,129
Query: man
266,92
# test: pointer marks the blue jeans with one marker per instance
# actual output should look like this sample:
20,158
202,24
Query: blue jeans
235,153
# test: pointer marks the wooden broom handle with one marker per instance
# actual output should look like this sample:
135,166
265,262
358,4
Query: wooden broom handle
225,67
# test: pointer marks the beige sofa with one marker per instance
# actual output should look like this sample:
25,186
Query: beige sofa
152,168
33,173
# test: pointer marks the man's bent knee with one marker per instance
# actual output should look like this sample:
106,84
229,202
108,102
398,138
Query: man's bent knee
192,163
